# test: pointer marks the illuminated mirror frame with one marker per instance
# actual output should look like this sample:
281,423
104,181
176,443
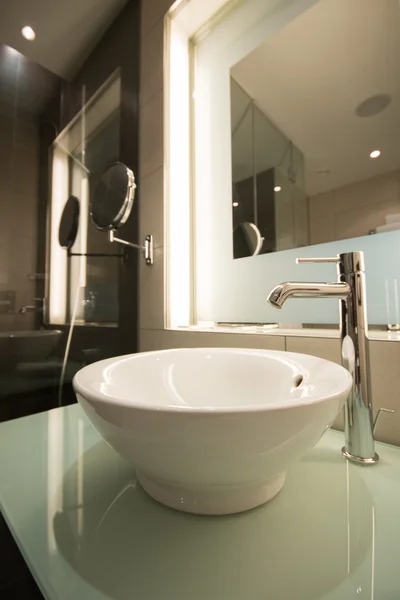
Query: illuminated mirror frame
181,23
188,23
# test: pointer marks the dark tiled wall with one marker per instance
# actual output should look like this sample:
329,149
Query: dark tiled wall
19,176
25,90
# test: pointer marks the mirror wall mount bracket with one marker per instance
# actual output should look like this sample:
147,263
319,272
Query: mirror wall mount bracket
147,247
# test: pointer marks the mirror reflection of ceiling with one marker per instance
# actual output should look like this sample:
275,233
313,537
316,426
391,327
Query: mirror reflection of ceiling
310,78
66,31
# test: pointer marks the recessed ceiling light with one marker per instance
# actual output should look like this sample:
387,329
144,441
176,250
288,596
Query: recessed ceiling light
375,154
28,33
235,204
277,188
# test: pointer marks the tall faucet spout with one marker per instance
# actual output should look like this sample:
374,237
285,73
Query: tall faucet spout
298,289
351,290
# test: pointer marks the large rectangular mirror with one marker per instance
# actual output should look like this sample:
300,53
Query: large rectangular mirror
315,116
296,113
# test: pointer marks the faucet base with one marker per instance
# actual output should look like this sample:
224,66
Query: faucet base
359,459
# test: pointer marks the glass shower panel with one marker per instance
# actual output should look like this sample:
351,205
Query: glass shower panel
102,272
87,145
61,125
284,212
271,146
268,178
243,181
45,287
301,217
269,151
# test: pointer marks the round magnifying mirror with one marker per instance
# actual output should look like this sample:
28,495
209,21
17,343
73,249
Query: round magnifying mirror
112,198
247,240
69,223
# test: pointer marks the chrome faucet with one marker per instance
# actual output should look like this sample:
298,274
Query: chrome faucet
27,309
350,290
32,308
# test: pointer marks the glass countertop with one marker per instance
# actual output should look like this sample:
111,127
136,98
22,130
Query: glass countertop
381,335
89,532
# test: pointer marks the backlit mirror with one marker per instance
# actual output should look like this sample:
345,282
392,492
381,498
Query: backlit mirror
295,129
113,197
315,115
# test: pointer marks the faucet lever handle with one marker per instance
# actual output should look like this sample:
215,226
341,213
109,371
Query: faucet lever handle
378,416
328,259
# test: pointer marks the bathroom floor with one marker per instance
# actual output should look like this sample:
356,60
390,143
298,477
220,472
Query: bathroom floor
15,406
16,581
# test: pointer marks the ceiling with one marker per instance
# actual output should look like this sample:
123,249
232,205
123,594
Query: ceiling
310,77
66,31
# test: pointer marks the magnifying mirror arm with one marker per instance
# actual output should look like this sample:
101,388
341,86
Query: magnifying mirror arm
113,238
147,248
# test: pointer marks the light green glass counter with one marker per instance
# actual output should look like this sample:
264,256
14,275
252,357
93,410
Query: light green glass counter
88,532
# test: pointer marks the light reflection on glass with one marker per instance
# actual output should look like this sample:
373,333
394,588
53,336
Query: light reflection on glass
55,459
127,533
373,555
80,475
348,513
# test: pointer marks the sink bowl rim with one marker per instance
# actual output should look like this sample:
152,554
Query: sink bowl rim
88,393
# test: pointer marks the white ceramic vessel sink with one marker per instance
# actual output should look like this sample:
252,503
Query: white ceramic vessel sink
212,431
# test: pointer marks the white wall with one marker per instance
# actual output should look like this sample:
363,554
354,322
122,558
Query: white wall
353,210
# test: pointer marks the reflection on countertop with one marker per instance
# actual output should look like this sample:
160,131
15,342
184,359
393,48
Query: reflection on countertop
291,548
87,529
